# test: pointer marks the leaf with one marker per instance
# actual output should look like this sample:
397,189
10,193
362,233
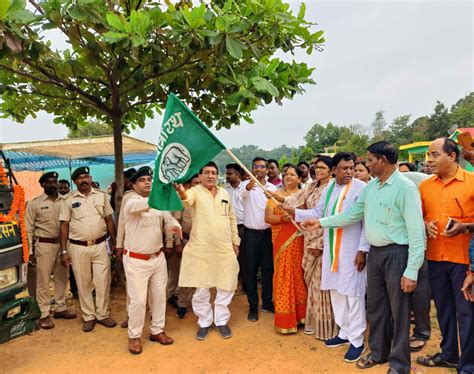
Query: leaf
140,23
13,43
77,13
302,11
114,21
16,5
263,85
4,5
234,47
114,37
23,16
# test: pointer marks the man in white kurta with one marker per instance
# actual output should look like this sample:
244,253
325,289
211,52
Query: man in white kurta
346,281
210,258
144,261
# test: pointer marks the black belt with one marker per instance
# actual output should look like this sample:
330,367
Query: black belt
240,225
254,230
48,240
88,243
392,245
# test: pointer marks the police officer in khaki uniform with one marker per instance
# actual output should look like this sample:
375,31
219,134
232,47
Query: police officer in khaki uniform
144,261
42,228
86,218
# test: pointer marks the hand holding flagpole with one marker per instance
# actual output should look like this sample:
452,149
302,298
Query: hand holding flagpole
267,194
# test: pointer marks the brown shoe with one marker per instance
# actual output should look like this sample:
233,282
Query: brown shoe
65,314
124,324
107,322
45,323
162,338
88,326
135,345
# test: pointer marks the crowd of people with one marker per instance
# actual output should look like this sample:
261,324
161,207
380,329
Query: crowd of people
340,246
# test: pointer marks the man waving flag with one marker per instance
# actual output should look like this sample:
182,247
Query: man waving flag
184,147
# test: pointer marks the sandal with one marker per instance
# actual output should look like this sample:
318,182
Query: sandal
416,347
366,362
435,361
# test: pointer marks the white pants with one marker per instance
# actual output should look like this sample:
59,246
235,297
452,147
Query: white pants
349,313
146,277
203,310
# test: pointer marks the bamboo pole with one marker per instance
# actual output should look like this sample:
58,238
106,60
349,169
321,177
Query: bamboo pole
234,157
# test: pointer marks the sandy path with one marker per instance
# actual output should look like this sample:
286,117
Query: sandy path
254,348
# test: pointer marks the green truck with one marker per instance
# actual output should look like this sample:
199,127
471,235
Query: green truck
18,315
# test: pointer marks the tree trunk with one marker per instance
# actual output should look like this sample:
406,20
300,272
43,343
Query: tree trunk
118,152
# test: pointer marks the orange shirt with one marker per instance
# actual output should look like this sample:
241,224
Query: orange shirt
453,199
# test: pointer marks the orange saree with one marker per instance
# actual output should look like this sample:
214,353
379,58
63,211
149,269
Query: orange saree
289,288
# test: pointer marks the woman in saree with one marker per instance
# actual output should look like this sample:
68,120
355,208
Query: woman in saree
319,315
289,288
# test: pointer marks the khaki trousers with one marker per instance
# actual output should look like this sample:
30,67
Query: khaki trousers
146,277
174,264
47,263
91,266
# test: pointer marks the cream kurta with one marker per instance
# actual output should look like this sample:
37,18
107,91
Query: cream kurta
209,259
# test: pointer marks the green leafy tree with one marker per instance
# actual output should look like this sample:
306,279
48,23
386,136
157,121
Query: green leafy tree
307,154
439,122
124,57
93,128
320,137
283,160
462,113
400,131
378,127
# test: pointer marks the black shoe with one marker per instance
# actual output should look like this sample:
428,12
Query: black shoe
202,333
253,315
225,331
269,309
182,312
173,301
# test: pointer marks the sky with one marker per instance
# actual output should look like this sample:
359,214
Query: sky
396,56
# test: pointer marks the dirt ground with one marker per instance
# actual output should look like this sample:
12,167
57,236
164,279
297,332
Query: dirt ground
254,348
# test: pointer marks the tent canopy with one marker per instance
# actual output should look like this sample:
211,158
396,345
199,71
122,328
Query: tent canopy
42,155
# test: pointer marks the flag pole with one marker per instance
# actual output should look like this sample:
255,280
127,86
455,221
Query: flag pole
234,157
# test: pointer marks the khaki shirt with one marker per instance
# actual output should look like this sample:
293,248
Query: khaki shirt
42,218
86,214
144,226
121,223
184,217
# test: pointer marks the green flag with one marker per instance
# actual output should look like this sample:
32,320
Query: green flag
184,147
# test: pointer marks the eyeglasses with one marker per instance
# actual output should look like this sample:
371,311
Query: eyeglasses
259,166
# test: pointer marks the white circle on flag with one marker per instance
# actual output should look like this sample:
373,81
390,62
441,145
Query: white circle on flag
174,163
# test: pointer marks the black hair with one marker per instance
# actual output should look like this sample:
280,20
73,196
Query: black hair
191,179
260,159
210,164
450,146
65,181
325,159
384,148
299,173
236,167
409,165
287,165
363,163
303,163
338,157
271,160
